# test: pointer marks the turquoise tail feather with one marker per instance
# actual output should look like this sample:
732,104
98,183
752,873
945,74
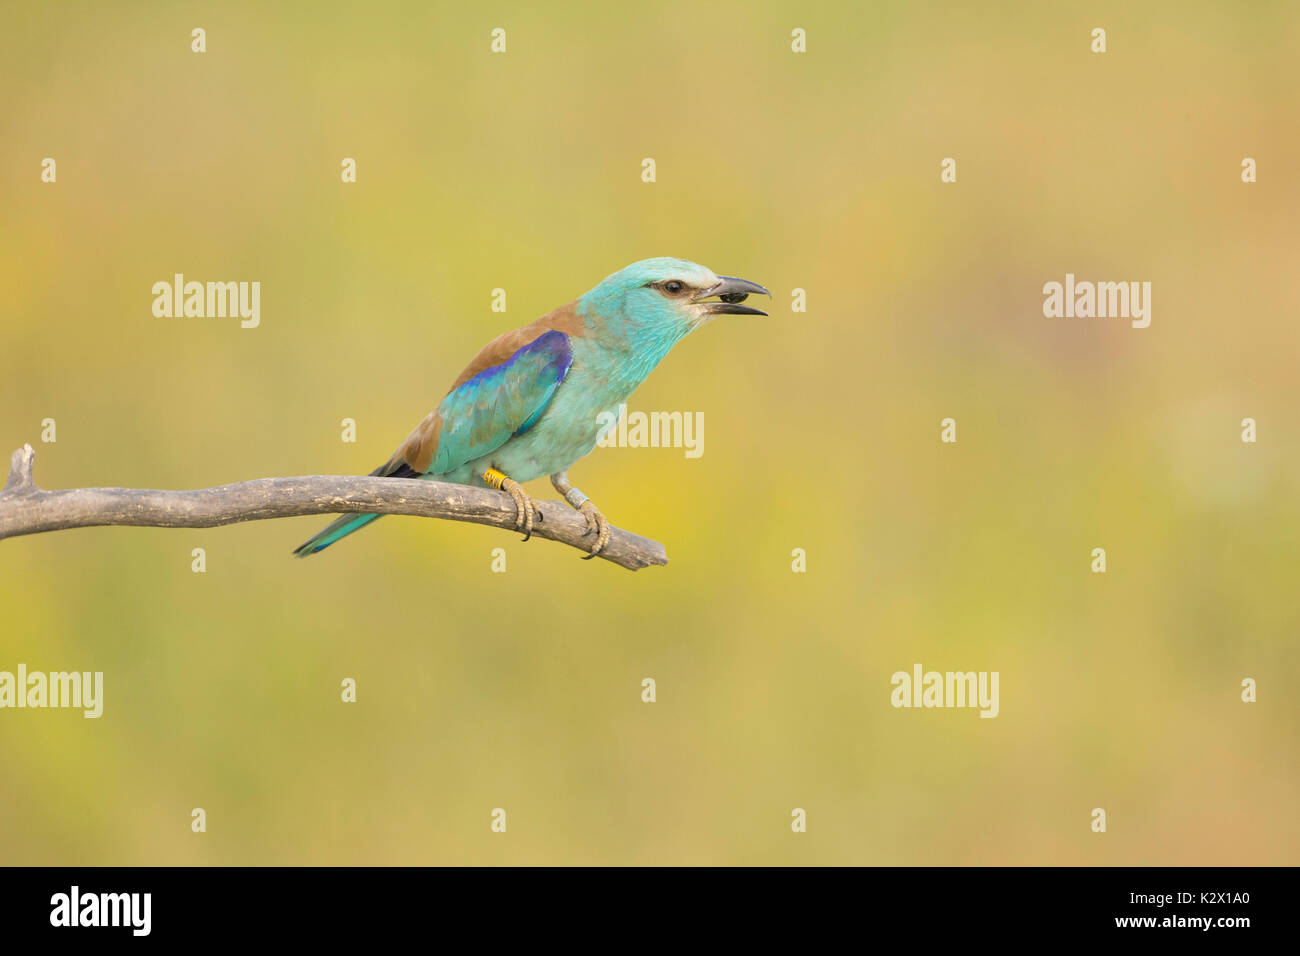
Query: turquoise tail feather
332,532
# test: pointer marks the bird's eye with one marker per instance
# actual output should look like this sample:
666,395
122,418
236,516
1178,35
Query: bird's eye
673,287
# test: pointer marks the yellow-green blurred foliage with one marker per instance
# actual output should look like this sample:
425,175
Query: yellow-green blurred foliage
522,690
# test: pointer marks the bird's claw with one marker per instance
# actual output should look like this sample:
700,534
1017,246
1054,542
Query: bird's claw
525,510
597,525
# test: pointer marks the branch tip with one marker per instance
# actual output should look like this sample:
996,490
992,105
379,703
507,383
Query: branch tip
20,471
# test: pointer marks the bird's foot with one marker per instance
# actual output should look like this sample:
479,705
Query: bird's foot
597,525
525,511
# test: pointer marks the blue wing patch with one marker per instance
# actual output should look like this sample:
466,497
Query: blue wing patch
501,402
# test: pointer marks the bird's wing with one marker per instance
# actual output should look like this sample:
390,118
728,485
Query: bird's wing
502,393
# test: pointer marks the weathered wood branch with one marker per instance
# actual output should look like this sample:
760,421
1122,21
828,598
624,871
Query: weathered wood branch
28,509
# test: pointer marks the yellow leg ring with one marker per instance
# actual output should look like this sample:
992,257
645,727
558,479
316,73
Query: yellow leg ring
494,478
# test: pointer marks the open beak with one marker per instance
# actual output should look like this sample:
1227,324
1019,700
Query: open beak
730,293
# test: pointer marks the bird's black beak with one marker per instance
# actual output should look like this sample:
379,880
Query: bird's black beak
730,293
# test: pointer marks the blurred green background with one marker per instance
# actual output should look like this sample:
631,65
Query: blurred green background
522,690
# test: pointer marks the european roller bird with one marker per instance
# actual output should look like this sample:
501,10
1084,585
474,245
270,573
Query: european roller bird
537,399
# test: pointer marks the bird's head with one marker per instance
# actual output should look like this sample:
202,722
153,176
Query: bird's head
668,297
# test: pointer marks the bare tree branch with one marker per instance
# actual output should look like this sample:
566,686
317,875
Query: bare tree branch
27,509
